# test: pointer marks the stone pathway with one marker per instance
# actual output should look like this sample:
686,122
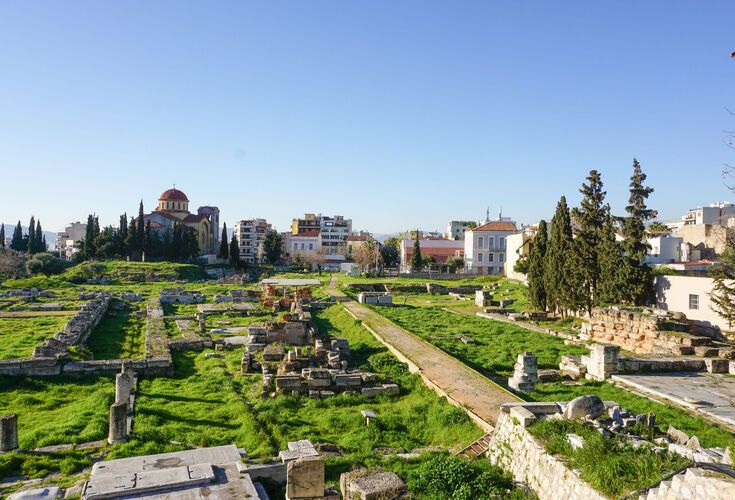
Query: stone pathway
707,393
480,397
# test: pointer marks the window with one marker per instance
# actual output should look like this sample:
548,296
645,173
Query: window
479,257
502,242
295,246
311,246
479,242
491,257
302,246
501,257
693,301
491,242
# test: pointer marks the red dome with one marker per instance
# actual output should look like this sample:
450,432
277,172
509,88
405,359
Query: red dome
173,195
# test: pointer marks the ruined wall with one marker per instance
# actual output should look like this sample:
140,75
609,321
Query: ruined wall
644,333
695,483
516,451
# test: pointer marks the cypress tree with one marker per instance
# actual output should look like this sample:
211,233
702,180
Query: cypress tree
16,243
638,288
2,236
40,238
223,248
122,235
612,262
536,286
30,245
416,260
89,237
590,217
558,263
234,251
148,240
140,231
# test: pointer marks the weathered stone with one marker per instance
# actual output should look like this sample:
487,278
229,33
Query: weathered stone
717,365
584,406
123,385
305,478
523,415
575,441
118,432
371,485
677,436
8,432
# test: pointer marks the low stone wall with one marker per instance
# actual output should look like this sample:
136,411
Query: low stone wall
156,337
644,332
514,449
43,367
695,483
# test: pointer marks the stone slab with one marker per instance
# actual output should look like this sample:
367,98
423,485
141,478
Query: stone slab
217,455
36,494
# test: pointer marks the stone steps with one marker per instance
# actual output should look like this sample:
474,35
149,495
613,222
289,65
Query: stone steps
476,448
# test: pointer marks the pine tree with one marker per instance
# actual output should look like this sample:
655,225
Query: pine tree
2,236
223,248
30,246
416,260
590,217
234,251
723,291
558,270
536,286
16,242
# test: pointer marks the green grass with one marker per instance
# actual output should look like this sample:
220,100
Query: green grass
709,434
611,466
54,411
121,335
496,346
19,336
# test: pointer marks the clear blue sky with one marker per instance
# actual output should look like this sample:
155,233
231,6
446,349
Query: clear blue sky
397,114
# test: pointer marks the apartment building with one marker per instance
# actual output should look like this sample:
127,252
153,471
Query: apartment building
485,247
250,234
333,231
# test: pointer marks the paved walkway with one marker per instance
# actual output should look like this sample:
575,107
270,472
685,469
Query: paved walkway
471,390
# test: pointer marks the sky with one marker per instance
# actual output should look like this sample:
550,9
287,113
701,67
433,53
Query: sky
395,114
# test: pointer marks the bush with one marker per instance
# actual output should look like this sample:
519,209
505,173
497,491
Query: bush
451,477
44,263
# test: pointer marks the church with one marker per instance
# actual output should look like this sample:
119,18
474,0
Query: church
173,207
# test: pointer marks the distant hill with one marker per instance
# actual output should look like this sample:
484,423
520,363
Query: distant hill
50,236
382,237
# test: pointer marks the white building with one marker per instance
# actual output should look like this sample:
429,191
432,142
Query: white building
457,228
485,247
665,250
305,244
518,247
70,240
333,231
691,296
250,234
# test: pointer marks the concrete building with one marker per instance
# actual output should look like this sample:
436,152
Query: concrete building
485,247
173,208
719,213
518,247
304,244
457,228
333,231
439,249
691,296
664,250
250,234
355,241
69,241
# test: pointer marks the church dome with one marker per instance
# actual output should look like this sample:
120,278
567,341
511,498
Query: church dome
173,195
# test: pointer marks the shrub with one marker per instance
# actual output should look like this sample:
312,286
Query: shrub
445,476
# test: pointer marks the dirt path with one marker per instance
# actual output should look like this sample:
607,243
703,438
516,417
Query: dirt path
480,397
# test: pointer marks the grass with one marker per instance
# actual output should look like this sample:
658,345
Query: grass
496,344
611,466
119,335
19,336
709,434
54,411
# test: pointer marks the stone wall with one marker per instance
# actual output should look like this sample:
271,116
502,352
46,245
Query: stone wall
42,367
646,332
515,450
695,483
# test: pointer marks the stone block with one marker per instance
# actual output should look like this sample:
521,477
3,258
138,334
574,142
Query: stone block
523,415
717,365
8,432
368,484
582,406
305,478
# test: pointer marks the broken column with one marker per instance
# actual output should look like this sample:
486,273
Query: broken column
603,361
123,386
118,423
305,478
525,373
8,432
